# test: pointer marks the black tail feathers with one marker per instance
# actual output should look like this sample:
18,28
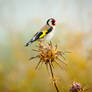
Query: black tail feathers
27,44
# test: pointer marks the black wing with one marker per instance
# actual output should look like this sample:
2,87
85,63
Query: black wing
35,37
49,30
38,34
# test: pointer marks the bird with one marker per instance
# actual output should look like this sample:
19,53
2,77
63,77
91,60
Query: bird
45,33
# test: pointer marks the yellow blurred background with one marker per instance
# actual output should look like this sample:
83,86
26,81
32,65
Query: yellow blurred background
20,19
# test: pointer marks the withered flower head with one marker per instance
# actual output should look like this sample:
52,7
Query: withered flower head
48,54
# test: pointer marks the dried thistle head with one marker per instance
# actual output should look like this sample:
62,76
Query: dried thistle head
48,54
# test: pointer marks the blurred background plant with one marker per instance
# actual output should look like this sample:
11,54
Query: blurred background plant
20,19
77,87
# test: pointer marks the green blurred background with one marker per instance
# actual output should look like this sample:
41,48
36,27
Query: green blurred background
20,19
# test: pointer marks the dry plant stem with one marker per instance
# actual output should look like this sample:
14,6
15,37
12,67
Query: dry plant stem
47,68
61,61
37,65
53,77
59,65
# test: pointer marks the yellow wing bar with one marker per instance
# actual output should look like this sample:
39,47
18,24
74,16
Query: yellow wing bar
43,34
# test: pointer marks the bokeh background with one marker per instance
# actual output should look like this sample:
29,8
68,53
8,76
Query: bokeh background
20,19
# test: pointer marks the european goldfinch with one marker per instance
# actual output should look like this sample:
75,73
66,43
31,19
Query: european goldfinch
45,33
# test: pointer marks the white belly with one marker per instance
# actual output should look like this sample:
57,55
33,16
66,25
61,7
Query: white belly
50,35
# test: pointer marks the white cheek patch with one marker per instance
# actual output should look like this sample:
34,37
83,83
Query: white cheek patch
50,23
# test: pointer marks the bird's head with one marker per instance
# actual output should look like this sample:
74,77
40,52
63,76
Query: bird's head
51,22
